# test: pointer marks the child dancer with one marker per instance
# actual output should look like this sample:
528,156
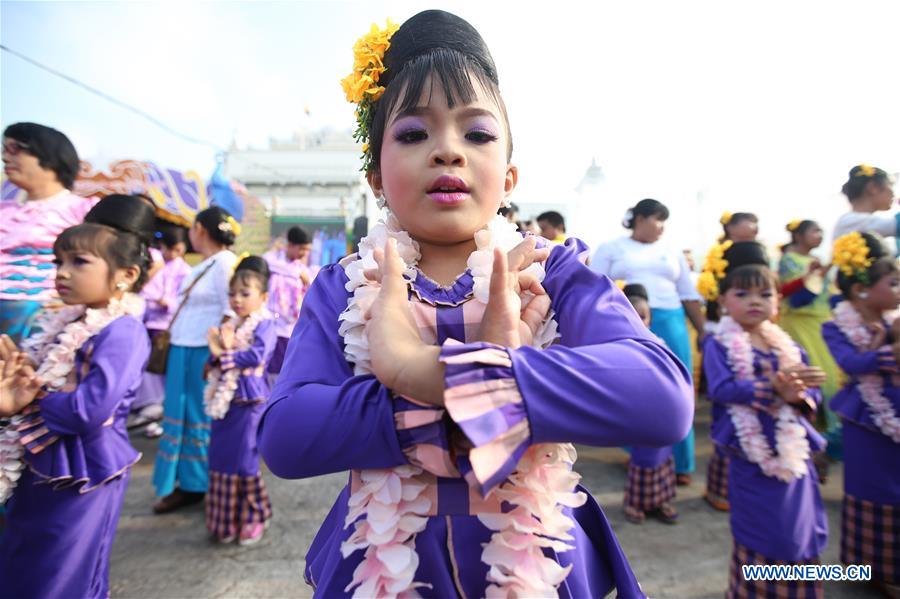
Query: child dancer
650,485
161,297
805,307
861,339
736,227
433,385
759,379
71,412
237,504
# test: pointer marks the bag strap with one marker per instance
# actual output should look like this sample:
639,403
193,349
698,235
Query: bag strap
187,294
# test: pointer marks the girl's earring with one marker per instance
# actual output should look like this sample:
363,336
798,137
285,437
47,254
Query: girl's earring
122,286
863,295
723,311
506,203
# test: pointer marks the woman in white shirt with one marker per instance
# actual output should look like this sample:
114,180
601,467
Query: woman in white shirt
181,473
869,190
642,258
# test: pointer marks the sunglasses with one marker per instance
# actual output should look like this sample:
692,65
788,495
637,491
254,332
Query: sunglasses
13,147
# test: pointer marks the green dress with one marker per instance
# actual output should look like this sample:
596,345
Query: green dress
804,325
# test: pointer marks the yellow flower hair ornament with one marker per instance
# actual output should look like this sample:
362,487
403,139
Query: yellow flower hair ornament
865,170
620,283
851,255
714,268
361,85
725,218
230,225
794,225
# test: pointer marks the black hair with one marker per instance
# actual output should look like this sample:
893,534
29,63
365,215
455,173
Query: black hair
445,48
859,177
215,220
171,235
636,290
52,148
297,235
882,264
646,208
748,266
252,268
736,219
801,229
129,222
553,218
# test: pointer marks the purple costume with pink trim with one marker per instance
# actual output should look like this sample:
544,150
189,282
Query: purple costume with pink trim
61,519
607,382
237,494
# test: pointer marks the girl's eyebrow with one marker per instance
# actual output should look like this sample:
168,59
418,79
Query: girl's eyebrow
467,112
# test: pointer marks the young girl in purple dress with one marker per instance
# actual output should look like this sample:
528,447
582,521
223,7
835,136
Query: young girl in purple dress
450,364
764,395
237,505
864,340
69,390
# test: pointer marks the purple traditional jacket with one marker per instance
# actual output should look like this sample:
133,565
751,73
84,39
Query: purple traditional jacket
785,521
232,443
877,478
607,382
164,286
77,436
253,384
286,289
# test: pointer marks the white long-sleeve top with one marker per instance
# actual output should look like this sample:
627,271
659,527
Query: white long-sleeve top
207,303
658,267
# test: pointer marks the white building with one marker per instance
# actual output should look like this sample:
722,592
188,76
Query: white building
312,179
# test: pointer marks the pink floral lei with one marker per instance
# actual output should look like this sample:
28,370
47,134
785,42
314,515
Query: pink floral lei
393,500
61,334
871,387
789,461
221,385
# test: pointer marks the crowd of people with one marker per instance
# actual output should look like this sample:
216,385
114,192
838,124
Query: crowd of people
450,365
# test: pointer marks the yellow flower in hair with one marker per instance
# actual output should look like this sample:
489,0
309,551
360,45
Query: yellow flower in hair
851,255
235,226
794,225
708,286
238,261
725,218
865,170
361,85
620,283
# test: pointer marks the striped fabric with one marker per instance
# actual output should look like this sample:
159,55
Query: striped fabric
233,501
717,475
226,360
870,534
33,432
885,357
482,398
738,588
648,488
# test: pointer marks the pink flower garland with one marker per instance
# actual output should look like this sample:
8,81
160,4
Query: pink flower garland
791,444
871,387
62,333
393,500
220,386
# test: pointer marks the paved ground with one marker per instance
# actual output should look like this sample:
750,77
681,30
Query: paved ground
170,556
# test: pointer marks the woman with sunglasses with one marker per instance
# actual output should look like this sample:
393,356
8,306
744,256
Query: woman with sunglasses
43,163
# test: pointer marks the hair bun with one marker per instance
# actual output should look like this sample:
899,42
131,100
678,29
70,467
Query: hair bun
126,213
628,219
254,263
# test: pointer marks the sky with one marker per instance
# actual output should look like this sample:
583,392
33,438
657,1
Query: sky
753,106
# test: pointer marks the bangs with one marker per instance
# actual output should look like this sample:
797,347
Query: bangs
247,278
447,68
748,277
89,238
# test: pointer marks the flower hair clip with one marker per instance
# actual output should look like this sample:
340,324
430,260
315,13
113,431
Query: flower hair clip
714,268
725,218
851,255
794,225
865,170
361,85
230,225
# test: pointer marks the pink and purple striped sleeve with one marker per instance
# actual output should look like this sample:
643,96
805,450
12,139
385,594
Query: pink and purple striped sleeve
34,435
482,398
422,433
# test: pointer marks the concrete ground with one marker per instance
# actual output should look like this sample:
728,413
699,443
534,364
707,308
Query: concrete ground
170,556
